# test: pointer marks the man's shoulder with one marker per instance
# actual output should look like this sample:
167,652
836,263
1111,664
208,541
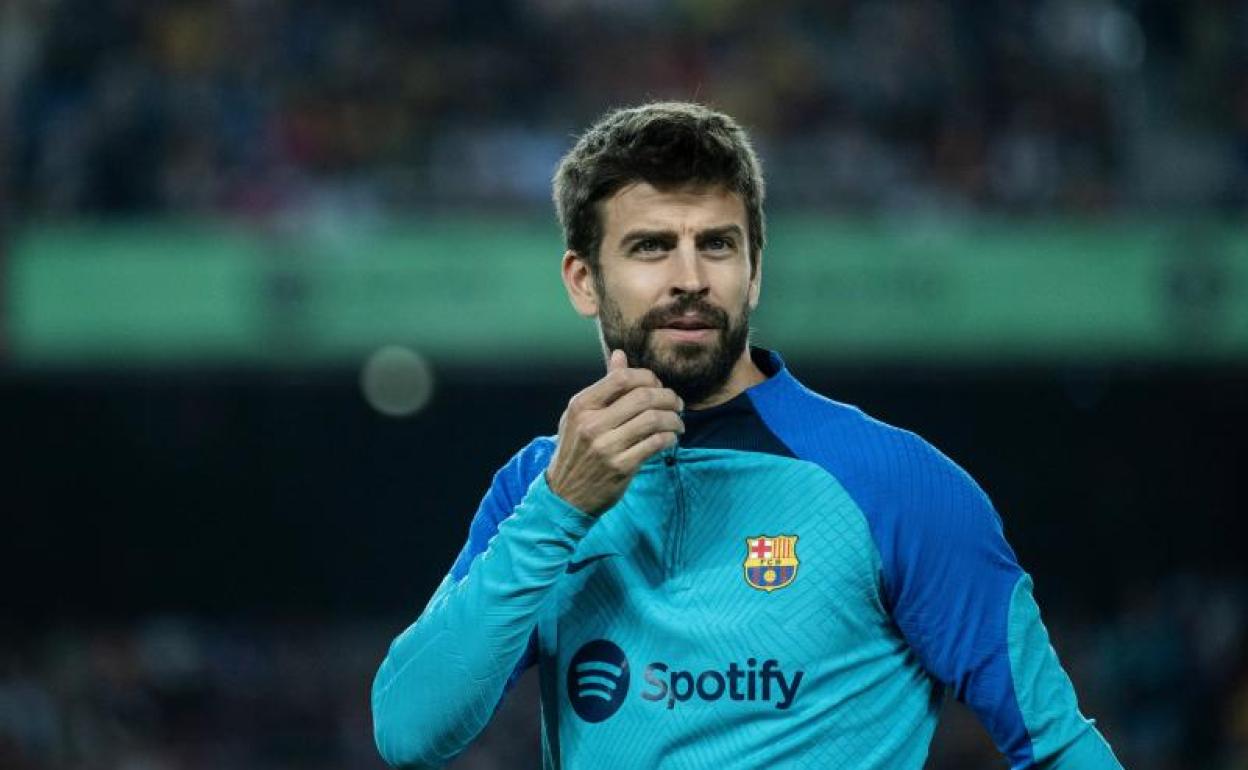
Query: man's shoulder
506,491
820,424
534,456
852,444
523,467
910,492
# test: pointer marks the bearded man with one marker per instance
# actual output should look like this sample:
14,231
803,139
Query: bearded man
711,565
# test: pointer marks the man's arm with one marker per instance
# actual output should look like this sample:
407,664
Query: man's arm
966,607
445,674
1046,696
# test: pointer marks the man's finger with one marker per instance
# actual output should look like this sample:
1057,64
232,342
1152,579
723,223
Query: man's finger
636,401
638,453
615,384
639,428
617,361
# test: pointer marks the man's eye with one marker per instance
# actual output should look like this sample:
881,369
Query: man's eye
717,244
649,245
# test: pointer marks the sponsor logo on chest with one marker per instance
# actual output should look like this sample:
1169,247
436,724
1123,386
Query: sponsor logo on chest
597,682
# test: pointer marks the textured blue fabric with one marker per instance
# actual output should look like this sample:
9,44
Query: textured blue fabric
948,572
444,675
508,487
1061,737
505,492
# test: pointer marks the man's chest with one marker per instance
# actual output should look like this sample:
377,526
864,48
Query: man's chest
719,559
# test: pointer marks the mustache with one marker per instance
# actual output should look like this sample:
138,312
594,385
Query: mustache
693,306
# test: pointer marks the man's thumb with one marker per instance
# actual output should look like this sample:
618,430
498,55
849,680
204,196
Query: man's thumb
617,361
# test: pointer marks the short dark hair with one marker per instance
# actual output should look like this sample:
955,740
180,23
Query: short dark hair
665,144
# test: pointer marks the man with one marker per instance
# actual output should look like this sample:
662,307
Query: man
712,566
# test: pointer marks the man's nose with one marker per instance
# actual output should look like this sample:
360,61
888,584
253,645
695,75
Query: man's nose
689,274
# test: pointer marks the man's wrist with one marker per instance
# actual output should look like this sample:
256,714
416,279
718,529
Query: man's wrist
573,519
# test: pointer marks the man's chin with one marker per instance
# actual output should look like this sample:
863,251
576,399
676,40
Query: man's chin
681,353
688,336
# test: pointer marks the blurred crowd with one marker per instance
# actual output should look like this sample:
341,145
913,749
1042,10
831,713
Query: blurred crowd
330,108
252,107
1165,675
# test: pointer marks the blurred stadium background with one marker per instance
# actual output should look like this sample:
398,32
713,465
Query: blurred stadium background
279,293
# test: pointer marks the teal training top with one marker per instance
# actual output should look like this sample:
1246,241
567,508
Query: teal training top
794,585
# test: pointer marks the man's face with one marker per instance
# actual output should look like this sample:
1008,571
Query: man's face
674,285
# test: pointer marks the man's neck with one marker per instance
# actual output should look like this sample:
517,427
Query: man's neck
745,374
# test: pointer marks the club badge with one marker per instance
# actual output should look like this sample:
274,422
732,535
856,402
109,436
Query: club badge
770,561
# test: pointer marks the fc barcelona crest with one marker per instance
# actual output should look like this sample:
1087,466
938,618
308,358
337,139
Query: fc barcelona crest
770,562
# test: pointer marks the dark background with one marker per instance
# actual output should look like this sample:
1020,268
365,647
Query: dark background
241,493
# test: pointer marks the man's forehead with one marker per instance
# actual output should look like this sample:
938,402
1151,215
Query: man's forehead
641,204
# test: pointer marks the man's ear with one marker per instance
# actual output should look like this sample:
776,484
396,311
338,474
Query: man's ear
578,279
756,280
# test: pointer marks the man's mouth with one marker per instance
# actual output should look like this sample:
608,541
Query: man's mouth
688,329
688,324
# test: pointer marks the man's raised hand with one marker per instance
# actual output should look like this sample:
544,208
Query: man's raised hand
607,432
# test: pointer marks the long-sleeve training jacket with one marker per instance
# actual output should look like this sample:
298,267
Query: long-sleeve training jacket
794,585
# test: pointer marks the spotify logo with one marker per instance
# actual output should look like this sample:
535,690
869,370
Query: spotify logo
597,680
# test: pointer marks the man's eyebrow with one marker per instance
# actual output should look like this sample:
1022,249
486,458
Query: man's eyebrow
719,232
640,235
633,236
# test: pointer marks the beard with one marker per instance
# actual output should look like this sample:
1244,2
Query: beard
694,370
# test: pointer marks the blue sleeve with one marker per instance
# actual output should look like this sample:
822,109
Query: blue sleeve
964,604
505,492
950,581
443,677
